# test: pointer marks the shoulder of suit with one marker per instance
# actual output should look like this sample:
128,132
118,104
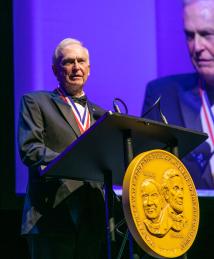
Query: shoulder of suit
38,94
177,80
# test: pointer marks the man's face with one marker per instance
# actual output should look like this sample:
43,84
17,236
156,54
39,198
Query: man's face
175,193
199,30
72,68
152,202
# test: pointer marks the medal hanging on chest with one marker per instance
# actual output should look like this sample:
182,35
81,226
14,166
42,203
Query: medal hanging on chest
82,118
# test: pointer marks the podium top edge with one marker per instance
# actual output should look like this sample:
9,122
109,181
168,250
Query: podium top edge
149,121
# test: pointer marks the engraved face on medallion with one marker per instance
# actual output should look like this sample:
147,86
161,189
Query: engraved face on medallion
173,189
153,204
152,199
160,204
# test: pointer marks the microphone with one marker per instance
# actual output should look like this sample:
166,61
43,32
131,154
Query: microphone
156,103
163,118
116,107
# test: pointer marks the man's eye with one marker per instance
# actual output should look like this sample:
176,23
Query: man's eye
208,36
81,61
189,35
66,62
176,188
154,195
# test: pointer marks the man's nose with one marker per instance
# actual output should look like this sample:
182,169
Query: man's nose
198,43
76,64
150,200
180,193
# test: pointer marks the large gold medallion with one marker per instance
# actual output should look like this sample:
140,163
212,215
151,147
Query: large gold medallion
160,204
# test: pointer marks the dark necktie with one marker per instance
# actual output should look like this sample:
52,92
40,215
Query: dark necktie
80,100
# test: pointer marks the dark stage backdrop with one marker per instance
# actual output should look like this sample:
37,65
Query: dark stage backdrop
8,197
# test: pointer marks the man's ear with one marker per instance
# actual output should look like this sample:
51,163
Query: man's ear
89,69
54,68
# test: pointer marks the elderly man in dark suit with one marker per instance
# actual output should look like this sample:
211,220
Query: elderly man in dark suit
61,218
187,99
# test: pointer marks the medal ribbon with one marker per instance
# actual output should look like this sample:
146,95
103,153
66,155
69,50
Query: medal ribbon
208,114
82,122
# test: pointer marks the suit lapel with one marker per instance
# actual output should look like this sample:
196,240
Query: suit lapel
190,104
67,113
92,110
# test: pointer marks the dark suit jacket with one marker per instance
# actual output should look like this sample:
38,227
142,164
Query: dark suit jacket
46,127
181,104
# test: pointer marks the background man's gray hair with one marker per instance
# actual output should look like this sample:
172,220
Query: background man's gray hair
186,2
64,43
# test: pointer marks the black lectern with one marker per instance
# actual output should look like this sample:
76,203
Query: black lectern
104,151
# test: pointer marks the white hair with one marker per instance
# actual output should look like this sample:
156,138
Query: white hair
186,2
64,43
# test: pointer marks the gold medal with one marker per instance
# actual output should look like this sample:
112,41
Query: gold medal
160,204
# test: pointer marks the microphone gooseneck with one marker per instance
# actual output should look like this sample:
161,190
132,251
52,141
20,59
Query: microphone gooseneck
116,107
156,104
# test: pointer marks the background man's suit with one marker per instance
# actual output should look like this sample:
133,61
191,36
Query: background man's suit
48,122
181,104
